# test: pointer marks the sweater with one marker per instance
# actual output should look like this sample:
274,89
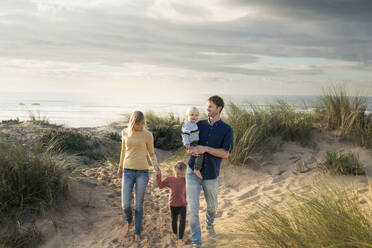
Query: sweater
135,148
190,133
177,197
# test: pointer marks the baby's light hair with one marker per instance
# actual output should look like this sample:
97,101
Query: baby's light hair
191,109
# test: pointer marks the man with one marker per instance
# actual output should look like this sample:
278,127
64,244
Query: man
215,142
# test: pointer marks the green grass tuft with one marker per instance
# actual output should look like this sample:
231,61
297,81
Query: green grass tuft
340,163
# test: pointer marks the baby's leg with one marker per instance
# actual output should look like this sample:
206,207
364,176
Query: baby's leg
198,165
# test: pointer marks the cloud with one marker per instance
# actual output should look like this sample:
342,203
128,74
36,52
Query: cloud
222,37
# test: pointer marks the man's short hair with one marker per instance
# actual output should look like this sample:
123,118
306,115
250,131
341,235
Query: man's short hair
217,100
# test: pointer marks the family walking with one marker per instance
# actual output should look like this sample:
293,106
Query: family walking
207,142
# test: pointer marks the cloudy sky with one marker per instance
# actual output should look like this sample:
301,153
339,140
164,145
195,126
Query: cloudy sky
168,46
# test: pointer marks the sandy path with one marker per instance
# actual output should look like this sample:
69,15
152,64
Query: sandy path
93,216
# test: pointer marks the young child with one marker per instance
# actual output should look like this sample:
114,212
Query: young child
177,197
190,136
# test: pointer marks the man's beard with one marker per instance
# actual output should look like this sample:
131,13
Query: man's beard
211,115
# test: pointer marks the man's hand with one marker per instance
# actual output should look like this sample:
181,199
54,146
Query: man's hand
201,149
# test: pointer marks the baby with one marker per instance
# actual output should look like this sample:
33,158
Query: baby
190,136
177,198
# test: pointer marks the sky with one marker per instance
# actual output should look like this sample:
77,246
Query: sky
163,47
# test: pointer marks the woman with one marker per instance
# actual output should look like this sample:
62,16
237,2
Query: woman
137,142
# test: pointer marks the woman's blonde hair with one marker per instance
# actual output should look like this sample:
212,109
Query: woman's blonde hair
136,118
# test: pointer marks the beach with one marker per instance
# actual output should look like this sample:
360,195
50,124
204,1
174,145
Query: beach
91,215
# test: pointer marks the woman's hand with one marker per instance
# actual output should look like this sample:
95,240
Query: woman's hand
157,169
120,173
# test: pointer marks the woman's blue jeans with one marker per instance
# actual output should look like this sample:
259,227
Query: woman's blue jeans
140,178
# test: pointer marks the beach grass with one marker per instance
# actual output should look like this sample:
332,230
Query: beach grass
14,234
337,110
343,163
254,127
41,121
114,136
28,179
166,130
363,132
11,121
30,183
327,216
70,141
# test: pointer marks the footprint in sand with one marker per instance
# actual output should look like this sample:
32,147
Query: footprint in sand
252,199
249,193
361,191
266,188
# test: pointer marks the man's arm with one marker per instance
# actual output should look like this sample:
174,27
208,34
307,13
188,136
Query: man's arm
217,152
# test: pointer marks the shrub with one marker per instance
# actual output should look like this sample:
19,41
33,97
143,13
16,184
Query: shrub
166,130
327,216
340,163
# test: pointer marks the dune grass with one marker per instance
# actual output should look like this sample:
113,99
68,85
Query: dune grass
41,121
13,234
343,164
327,216
70,141
255,126
30,182
28,178
166,130
363,132
338,110
114,136
11,121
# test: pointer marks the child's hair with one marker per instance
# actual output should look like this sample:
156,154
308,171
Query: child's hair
191,109
180,166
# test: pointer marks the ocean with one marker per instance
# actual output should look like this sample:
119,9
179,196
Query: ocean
98,109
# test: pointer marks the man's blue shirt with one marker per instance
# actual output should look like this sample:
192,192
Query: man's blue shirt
220,135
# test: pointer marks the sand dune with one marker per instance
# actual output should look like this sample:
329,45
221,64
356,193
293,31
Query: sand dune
92,216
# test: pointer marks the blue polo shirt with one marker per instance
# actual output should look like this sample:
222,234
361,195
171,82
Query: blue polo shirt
220,135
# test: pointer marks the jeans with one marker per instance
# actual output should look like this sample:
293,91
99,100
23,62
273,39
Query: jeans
140,178
193,188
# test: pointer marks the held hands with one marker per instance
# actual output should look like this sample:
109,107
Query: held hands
157,169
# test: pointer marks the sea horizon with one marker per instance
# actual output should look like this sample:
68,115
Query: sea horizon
98,109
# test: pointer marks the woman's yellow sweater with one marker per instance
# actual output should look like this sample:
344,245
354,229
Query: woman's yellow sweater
135,148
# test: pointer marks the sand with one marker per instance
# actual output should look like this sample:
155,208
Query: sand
92,216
